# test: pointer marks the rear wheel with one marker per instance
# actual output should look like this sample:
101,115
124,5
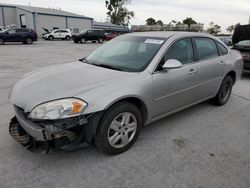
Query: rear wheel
1,41
28,41
67,38
100,40
119,128
225,91
83,41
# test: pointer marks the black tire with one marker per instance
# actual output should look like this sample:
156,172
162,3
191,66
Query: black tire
1,41
101,139
83,41
51,37
67,38
28,41
224,92
100,40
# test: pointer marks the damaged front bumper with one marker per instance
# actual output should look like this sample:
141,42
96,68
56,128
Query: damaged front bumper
67,134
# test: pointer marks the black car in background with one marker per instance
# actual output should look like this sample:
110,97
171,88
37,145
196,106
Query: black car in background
244,48
90,35
26,36
241,33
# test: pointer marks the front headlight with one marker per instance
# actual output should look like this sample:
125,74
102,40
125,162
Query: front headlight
59,109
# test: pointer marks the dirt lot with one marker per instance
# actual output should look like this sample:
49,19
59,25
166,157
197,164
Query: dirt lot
204,146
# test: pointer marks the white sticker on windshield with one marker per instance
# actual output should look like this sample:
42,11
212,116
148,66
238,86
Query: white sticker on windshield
154,41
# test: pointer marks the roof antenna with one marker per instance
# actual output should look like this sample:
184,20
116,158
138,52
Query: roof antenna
29,4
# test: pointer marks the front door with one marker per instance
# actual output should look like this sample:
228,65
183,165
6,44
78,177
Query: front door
175,89
11,35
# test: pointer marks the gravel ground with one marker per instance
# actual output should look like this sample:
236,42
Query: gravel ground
204,146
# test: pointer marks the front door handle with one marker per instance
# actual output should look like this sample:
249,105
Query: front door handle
192,71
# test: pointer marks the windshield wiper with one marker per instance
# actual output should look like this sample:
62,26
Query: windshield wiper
84,60
107,66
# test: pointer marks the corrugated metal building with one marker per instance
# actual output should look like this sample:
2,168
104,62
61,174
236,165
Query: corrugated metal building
38,18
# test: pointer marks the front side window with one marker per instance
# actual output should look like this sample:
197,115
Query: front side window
128,53
181,50
206,48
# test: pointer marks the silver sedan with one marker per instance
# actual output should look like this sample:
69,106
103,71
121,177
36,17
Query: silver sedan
133,80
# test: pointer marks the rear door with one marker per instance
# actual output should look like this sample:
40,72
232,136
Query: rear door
178,88
211,67
22,34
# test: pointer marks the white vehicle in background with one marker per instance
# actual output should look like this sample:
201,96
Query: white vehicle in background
64,34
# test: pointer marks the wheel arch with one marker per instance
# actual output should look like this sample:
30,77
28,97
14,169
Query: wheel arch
232,74
138,102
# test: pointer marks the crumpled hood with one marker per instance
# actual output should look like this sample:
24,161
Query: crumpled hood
60,81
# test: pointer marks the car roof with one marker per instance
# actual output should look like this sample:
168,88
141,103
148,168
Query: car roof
168,34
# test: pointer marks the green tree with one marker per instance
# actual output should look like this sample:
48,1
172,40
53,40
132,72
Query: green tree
236,25
118,13
189,21
214,29
151,21
230,29
159,22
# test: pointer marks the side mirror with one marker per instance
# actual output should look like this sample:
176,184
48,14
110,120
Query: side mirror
172,64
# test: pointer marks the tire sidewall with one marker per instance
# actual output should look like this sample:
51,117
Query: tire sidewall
67,38
83,40
228,80
102,131
29,41
100,40
51,37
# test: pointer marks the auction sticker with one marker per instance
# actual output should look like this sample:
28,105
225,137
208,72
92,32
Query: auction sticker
153,41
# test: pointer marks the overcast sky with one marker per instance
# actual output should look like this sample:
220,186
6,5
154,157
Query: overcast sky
222,12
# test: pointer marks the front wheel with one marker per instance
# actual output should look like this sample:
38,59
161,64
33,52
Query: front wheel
67,38
51,37
225,91
119,128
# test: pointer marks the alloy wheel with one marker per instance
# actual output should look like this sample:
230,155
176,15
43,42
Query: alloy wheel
122,130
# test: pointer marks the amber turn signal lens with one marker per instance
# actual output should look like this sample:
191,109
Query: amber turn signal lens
76,107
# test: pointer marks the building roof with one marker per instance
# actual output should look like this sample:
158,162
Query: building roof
46,11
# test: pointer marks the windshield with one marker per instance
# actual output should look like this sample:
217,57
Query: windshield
244,43
127,53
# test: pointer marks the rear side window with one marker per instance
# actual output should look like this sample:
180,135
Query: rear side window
206,48
181,50
222,49
64,31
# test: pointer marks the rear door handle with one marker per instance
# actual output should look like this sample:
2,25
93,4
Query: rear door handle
222,62
192,71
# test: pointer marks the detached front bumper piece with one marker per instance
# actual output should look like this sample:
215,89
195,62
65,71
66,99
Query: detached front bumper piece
61,135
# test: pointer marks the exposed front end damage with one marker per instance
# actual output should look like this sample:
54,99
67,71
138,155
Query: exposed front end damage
45,136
